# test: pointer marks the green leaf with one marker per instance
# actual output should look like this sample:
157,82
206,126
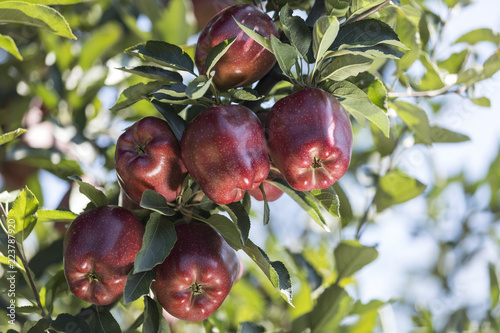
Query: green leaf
47,256
55,288
416,119
331,307
51,2
198,87
356,102
55,215
327,199
285,54
494,286
157,242
351,256
267,212
455,62
174,24
240,216
103,321
432,79
8,44
345,66
361,6
163,54
481,101
248,327
97,197
407,28
216,53
337,8
39,16
345,206
275,271
297,32
40,326
367,32
377,93
176,123
376,51
137,285
152,316
154,72
384,145
174,93
226,229
443,135
302,199
245,94
134,94
263,41
23,214
156,202
65,322
396,187
98,43
9,136
325,31
491,65
480,35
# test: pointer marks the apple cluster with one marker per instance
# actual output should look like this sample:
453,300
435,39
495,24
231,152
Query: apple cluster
305,139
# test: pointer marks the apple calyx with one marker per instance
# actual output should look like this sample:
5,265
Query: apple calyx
93,276
316,163
196,288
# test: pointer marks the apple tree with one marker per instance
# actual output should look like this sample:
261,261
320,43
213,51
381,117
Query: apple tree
149,151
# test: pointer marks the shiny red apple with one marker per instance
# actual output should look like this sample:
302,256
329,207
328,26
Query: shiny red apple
99,251
246,61
224,150
148,157
309,139
198,274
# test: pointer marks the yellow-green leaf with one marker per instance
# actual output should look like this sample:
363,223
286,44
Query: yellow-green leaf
8,44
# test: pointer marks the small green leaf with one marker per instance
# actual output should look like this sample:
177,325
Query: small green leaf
263,41
159,239
415,118
351,256
267,212
455,62
152,316
480,35
385,145
39,16
367,32
325,31
176,123
361,6
174,93
345,66
226,229
285,54
154,72
9,136
216,53
137,285
163,54
134,94
328,199
240,216
337,8
156,202
494,286
8,44
103,321
23,214
245,94
443,135
275,271
482,101
432,79
97,197
297,31
55,215
302,199
198,87
65,322
396,187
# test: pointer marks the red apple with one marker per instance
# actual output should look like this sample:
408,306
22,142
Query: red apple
198,274
204,10
224,150
99,250
246,61
310,139
148,157
272,192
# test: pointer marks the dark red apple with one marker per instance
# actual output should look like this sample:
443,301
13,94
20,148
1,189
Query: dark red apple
246,61
198,274
224,150
272,192
148,157
309,139
99,250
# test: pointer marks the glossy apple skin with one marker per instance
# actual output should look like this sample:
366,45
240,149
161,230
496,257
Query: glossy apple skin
309,139
99,250
198,274
224,150
148,157
246,61
272,192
